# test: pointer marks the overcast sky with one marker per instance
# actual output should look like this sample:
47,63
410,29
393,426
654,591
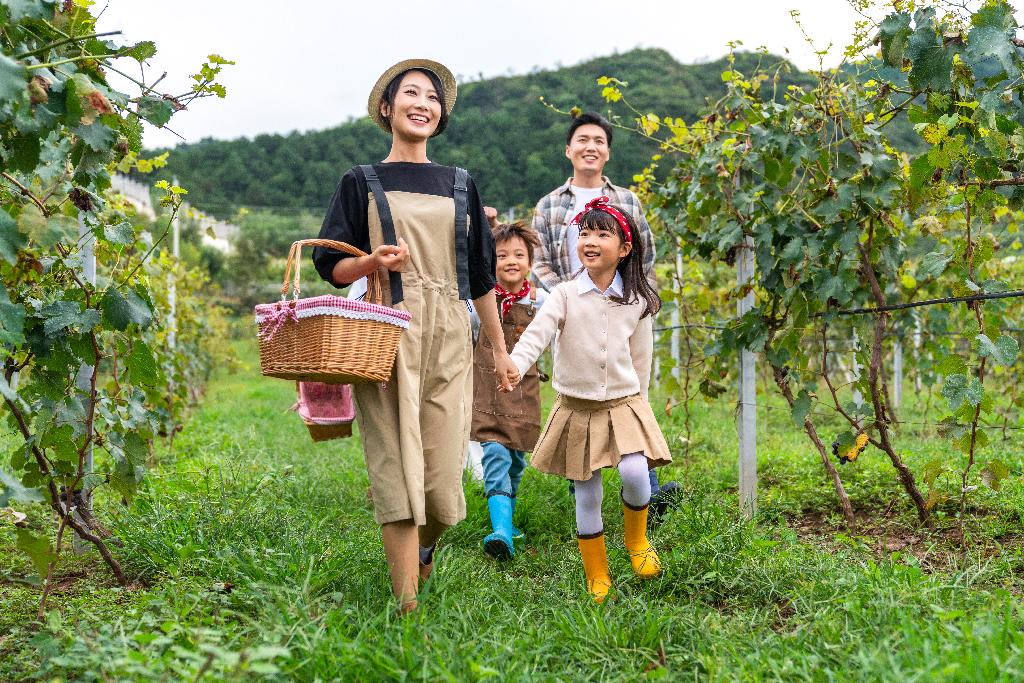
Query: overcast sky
309,64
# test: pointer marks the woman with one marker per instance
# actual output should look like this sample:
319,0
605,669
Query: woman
415,430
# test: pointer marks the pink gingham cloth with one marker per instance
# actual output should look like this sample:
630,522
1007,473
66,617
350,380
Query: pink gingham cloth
271,317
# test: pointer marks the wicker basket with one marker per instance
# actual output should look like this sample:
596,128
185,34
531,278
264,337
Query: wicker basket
328,338
327,410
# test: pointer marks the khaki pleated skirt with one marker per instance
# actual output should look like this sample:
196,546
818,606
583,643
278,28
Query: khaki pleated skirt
582,436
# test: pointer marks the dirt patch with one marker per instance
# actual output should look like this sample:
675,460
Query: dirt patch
64,581
882,533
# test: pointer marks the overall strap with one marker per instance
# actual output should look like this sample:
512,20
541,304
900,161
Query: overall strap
462,231
387,225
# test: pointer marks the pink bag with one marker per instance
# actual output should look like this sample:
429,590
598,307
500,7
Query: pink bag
326,409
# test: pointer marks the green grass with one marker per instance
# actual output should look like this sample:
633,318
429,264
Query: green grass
254,554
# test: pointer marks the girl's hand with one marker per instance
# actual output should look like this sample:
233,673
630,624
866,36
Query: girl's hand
391,257
506,371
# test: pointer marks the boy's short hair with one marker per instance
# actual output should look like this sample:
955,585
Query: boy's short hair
506,231
589,117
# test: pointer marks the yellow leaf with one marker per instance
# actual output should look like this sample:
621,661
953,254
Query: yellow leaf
933,134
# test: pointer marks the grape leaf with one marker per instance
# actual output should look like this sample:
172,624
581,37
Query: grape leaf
1003,350
893,33
141,51
156,110
63,314
933,265
13,490
801,407
993,473
121,310
12,320
13,78
991,37
37,548
11,241
931,61
142,367
960,389
31,9
119,233
98,136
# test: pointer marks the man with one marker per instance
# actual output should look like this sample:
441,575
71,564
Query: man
588,147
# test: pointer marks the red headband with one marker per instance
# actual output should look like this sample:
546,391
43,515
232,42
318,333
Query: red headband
601,204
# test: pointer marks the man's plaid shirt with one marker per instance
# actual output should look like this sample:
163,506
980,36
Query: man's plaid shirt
551,258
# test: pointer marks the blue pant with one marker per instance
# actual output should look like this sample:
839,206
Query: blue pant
503,468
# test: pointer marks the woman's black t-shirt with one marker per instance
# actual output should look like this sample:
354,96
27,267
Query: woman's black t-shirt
346,219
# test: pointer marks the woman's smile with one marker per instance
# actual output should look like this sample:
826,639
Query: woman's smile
417,108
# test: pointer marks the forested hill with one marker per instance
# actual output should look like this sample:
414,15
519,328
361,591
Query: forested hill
500,131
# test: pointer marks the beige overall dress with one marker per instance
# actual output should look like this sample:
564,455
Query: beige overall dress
415,431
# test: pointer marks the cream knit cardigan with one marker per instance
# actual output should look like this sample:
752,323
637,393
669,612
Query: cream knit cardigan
603,350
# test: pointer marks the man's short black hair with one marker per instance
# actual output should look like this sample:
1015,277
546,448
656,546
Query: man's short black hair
589,117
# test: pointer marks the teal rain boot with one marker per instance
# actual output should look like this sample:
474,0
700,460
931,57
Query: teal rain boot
499,543
517,535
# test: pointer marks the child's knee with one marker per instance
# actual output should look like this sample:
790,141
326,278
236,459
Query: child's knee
589,493
636,482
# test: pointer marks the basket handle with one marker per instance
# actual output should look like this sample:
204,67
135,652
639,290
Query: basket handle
373,289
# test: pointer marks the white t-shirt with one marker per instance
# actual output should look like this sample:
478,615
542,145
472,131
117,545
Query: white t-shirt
581,195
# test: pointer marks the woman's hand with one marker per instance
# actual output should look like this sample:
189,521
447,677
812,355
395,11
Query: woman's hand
506,371
391,257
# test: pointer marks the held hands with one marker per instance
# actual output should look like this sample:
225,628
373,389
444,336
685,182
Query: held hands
391,257
506,371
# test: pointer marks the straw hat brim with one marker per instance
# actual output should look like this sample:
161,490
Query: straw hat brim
437,68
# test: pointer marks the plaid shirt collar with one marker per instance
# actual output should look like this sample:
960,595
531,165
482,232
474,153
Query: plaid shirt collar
566,187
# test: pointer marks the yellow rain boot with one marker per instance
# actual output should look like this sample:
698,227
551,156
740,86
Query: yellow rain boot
642,556
595,565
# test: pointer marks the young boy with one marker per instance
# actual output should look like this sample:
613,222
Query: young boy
507,423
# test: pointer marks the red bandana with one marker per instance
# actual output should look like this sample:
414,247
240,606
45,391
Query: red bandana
508,298
601,204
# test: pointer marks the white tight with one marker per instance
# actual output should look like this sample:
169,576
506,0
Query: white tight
636,490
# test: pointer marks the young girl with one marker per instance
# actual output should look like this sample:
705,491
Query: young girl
602,326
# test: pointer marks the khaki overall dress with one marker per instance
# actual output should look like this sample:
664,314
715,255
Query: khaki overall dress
415,432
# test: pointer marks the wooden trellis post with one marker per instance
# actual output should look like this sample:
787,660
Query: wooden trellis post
748,389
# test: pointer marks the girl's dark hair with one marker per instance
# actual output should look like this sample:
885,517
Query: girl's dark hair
635,285
391,92
506,231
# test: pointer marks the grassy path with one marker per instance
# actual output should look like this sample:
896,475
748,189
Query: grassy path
255,555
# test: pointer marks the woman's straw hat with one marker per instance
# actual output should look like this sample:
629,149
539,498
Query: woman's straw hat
438,69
